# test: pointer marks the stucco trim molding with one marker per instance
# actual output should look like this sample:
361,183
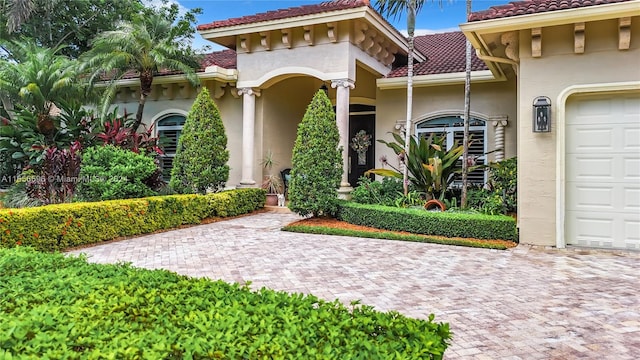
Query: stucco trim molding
450,112
436,80
561,103
282,73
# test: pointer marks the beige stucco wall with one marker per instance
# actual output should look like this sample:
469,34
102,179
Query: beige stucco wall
489,99
558,69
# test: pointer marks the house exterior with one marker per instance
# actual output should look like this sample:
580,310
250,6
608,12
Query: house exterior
578,183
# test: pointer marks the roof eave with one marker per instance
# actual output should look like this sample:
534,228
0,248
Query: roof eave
222,35
456,78
298,21
392,33
552,18
210,73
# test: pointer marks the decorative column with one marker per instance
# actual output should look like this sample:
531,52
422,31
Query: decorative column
248,134
499,122
343,87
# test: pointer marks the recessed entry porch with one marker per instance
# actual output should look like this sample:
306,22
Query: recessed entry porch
280,107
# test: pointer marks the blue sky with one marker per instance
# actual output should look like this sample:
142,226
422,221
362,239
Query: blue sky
432,18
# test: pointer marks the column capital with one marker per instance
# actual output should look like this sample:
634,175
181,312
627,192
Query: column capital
249,91
499,120
346,83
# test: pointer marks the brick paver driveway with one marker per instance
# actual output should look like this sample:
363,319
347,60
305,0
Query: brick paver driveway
519,304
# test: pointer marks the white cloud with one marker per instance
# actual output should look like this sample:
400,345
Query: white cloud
420,32
159,3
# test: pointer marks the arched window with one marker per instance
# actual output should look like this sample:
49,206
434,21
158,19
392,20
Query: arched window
169,129
453,127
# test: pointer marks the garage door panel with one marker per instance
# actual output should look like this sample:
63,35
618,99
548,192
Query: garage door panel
590,139
631,168
602,164
632,137
595,167
589,197
631,107
631,199
631,234
590,230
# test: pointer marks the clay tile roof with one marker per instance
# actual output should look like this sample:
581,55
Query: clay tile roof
291,12
445,54
534,7
225,59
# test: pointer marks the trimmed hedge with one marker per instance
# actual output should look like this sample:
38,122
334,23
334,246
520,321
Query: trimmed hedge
325,230
58,227
419,221
60,307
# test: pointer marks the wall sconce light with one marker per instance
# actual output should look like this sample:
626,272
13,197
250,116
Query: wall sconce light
541,114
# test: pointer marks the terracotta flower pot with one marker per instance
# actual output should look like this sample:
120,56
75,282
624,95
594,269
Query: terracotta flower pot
272,200
435,205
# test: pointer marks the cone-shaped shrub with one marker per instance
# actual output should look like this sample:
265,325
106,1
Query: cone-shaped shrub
317,161
202,155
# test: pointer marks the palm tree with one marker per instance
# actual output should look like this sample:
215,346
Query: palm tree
394,8
146,46
467,116
39,80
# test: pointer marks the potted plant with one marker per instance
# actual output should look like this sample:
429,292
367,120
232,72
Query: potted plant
271,183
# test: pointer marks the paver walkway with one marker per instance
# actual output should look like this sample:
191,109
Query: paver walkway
525,303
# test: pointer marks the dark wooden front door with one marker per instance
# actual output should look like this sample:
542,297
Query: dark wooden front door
358,164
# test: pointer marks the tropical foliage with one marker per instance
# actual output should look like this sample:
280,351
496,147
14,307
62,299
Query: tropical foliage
430,165
143,47
316,161
201,158
57,177
52,23
39,79
501,193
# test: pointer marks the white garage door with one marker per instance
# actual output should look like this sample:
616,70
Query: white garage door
603,171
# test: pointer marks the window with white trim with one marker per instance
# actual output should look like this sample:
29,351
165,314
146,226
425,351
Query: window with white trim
169,129
453,128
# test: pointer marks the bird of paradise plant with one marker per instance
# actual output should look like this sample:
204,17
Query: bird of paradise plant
430,165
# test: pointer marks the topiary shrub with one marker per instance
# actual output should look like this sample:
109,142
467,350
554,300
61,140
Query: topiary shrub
109,173
317,161
202,155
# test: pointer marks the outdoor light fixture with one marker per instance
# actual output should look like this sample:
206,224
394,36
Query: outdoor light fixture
541,114
324,88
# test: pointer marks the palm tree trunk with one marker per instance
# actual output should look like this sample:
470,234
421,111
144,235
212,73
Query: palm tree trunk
146,80
411,24
467,116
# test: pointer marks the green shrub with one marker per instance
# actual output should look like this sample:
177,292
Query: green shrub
419,221
316,161
109,173
57,227
501,195
61,307
384,192
202,155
